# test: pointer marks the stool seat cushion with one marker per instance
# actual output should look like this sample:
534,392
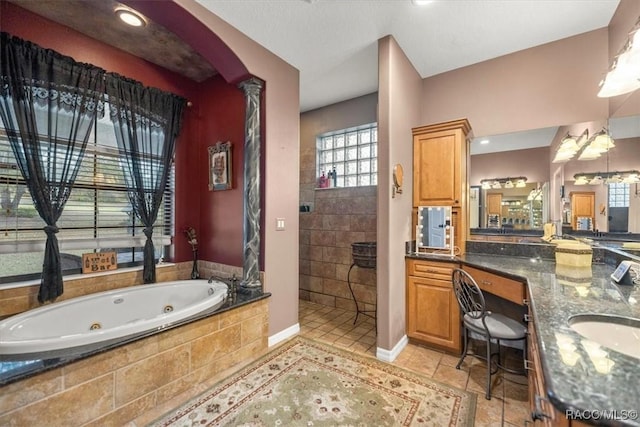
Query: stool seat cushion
499,326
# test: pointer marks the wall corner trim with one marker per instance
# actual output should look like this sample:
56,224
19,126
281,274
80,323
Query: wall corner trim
390,355
284,334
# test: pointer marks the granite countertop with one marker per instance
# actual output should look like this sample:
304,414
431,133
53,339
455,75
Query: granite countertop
576,375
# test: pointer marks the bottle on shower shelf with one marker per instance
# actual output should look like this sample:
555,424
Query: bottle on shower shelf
323,182
334,175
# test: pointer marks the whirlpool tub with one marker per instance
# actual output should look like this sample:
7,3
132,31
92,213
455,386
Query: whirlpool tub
108,316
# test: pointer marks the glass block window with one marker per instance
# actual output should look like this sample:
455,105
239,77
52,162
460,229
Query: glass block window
352,153
619,195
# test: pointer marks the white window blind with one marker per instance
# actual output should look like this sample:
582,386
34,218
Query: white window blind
97,216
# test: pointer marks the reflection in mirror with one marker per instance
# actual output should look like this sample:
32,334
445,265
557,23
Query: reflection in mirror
515,208
611,182
520,200
610,218
433,228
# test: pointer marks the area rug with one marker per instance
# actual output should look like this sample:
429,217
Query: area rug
306,383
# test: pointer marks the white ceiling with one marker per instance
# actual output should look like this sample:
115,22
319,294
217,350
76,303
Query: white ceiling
514,141
334,42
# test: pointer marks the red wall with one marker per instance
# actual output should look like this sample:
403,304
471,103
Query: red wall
216,114
222,119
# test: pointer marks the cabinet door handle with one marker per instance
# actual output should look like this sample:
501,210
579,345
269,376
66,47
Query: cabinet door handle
431,271
528,365
527,318
537,413
525,301
486,282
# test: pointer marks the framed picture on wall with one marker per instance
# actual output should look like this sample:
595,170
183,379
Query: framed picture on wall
220,166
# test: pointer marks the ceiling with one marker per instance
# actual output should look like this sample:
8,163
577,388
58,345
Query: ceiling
334,42
96,19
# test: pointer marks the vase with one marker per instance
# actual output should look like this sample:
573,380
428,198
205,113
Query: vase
194,269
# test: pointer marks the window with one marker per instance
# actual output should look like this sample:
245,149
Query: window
619,195
352,153
97,216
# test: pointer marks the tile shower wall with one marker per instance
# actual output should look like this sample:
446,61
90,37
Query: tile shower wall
338,218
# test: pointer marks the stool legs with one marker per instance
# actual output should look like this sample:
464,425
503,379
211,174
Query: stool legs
464,350
488,388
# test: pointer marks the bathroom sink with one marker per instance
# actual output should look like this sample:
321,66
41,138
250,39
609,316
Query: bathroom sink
618,333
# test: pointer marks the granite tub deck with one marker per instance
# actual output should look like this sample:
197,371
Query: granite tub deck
576,384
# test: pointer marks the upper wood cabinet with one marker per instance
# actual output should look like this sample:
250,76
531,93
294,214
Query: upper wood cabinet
441,171
440,163
583,205
494,204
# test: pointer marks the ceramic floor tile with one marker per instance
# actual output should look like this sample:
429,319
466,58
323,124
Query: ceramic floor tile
452,376
478,381
488,412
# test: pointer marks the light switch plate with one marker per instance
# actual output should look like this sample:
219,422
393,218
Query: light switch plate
279,224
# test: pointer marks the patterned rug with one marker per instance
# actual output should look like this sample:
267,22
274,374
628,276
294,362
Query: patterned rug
306,383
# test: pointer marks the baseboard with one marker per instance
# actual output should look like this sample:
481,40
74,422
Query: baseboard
284,334
390,355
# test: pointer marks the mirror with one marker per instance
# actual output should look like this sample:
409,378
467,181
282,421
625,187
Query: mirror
512,174
433,229
594,190
614,209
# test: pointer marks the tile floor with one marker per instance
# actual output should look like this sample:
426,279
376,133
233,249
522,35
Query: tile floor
508,406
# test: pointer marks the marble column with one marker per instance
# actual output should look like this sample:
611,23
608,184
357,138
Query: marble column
251,228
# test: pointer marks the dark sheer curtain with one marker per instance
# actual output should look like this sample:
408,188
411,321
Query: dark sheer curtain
48,105
147,122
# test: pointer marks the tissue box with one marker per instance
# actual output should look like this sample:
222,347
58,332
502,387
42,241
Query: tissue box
574,254
573,276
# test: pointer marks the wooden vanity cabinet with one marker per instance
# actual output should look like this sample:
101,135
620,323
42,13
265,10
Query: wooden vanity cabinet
583,205
433,315
441,170
500,286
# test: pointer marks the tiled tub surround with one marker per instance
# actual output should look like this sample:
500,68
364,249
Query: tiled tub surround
19,297
552,301
114,384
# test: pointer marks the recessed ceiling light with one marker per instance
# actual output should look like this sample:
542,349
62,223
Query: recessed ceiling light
484,141
131,17
421,2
